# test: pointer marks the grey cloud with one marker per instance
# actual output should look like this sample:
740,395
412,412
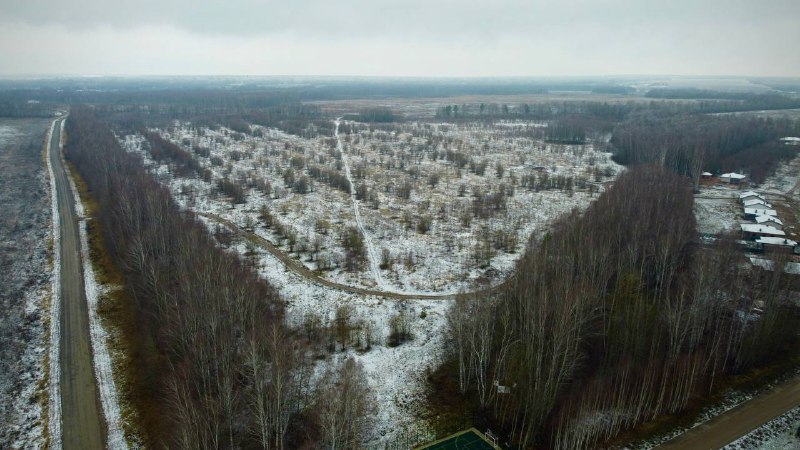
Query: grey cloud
429,37
444,19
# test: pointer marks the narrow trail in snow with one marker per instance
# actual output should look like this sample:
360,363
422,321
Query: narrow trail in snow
372,257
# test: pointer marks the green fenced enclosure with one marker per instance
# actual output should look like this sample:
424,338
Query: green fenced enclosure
470,439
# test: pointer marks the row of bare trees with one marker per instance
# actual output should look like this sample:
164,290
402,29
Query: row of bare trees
614,318
211,351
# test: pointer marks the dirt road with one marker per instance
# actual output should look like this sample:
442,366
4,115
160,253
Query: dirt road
304,272
737,422
82,420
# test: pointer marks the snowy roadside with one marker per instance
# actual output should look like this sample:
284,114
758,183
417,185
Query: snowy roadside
54,391
777,434
103,364
731,400
785,178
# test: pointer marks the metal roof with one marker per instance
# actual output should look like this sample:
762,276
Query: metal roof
756,201
762,219
733,175
761,229
760,212
776,241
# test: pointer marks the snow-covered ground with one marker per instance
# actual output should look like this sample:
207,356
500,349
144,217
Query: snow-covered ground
439,260
418,158
786,177
372,255
24,281
715,214
397,375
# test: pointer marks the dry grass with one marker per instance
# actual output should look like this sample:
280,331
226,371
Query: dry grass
448,409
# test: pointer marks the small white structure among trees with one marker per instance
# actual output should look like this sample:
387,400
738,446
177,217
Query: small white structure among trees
732,178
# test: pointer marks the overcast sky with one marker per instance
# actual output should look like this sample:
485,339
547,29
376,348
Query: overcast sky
400,37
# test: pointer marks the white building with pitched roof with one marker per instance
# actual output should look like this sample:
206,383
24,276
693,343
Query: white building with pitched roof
769,220
732,177
753,230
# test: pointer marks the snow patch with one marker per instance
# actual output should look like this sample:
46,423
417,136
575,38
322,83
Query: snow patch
54,391
715,214
371,254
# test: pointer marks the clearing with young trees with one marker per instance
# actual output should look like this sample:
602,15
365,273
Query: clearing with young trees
395,210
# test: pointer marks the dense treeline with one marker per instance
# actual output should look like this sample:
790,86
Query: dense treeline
748,100
545,110
154,90
175,98
378,114
196,306
690,145
566,132
663,103
760,161
217,365
292,118
181,161
613,319
19,108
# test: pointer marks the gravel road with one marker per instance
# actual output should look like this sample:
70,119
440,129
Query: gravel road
82,420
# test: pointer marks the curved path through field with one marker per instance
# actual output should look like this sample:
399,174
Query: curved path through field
301,270
82,423
744,418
